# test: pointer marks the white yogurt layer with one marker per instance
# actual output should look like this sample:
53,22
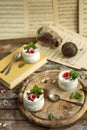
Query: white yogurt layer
31,58
35,105
66,84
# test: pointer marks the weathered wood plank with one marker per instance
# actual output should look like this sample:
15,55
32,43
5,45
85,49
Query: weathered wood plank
8,104
10,45
26,125
8,94
11,115
17,115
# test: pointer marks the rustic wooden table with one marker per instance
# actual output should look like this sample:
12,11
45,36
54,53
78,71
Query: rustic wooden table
12,119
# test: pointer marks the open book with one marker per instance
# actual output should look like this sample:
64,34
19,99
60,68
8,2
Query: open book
79,60
22,18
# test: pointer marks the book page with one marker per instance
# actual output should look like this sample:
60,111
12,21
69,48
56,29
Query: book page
79,60
68,14
83,17
22,18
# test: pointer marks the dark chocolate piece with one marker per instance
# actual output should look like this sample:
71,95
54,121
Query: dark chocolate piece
69,49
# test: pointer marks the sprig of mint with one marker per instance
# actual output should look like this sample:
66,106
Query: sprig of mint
74,74
59,67
76,95
36,90
30,45
51,116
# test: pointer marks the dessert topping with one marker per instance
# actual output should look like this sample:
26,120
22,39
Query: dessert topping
30,48
72,75
36,90
30,51
30,45
31,97
66,75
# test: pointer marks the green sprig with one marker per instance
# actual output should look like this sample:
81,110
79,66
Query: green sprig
59,67
30,45
51,116
76,95
36,90
74,74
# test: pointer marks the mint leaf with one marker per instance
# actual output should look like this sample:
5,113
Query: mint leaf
30,45
59,68
36,90
74,74
51,116
76,95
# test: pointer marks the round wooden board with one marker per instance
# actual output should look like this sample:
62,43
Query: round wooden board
65,113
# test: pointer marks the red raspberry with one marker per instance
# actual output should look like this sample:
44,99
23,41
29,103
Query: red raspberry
66,75
31,97
31,51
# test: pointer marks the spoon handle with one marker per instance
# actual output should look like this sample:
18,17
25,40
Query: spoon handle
75,103
3,70
8,68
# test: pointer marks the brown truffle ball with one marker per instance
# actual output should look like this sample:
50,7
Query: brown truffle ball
69,49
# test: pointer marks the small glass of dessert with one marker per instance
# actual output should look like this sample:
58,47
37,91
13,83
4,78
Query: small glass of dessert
30,53
33,99
68,80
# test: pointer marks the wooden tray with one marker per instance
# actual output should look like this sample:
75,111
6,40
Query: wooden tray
65,113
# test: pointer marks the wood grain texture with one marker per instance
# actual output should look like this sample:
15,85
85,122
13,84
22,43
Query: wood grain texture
14,119
8,46
8,104
65,113
24,125
16,115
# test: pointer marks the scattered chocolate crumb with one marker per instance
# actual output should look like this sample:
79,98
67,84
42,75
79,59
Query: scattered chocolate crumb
46,92
28,94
